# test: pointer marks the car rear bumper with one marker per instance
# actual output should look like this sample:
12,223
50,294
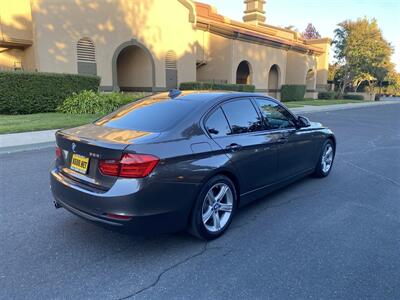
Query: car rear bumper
152,206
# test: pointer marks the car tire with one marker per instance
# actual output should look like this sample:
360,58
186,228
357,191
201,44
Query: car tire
325,161
214,208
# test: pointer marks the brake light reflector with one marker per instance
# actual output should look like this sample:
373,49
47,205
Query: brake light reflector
130,166
118,217
59,152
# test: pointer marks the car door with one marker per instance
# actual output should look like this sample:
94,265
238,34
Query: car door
250,149
295,149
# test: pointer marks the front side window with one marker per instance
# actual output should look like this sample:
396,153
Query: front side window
217,125
275,115
242,116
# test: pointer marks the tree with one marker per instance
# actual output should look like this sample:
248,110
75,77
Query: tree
361,77
332,71
360,48
311,33
393,87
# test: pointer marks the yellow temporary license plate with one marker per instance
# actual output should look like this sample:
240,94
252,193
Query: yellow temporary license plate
79,163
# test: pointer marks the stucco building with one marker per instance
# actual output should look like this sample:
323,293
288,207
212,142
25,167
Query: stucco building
154,45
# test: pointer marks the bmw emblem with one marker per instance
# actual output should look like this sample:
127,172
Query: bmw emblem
73,147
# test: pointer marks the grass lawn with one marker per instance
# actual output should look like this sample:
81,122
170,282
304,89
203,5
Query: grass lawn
293,104
43,121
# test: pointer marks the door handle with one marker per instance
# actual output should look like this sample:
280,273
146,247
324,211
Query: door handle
233,147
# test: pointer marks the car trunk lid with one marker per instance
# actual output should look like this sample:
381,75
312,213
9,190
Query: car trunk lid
83,148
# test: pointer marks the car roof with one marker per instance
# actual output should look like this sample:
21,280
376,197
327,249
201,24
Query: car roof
206,96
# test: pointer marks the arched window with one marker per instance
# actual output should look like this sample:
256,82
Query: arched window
171,72
310,79
86,56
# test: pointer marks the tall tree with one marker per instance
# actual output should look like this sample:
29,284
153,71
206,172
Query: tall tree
311,33
361,49
332,71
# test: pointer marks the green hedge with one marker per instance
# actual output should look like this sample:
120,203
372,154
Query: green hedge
353,97
184,86
89,102
27,93
326,95
293,92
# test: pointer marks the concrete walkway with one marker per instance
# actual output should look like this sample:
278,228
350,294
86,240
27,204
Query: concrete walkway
15,142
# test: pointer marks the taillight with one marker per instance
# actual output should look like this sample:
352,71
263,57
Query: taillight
109,167
59,153
130,166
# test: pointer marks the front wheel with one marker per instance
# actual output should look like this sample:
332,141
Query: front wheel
325,162
214,208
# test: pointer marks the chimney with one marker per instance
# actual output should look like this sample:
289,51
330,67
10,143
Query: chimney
254,13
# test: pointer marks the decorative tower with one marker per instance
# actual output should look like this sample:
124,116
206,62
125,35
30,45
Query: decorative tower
254,13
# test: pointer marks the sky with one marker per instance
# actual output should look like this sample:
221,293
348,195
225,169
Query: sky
324,15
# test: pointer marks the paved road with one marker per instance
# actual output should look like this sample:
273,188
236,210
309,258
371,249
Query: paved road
337,237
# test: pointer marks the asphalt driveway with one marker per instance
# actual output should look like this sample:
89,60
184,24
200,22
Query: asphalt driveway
337,237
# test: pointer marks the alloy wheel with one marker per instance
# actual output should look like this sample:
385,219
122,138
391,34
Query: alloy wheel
217,207
327,158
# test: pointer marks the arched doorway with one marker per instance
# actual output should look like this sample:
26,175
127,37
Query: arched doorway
243,73
133,68
273,81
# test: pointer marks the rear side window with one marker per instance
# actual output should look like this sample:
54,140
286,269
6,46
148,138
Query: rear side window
149,115
217,125
242,116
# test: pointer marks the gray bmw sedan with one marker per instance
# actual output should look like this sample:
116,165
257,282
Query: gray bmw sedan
185,160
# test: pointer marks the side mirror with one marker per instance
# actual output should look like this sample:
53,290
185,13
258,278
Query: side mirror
303,122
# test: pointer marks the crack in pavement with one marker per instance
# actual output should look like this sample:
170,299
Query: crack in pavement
200,253
205,248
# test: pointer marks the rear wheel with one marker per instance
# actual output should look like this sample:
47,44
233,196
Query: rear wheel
325,162
214,208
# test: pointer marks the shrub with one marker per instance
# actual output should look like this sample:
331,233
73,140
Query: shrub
353,97
89,102
293,92
216,86
26,93
326,95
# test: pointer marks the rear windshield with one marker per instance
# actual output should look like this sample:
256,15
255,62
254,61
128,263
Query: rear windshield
151,115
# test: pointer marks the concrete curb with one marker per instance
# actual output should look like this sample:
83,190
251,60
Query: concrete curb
16,142
26,138
312,109
29,147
